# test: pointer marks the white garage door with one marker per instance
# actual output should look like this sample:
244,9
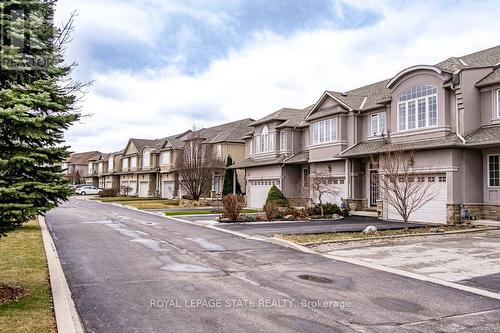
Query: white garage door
336,189
143,189
167,190
435,210
257,191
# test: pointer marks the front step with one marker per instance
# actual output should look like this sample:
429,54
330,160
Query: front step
489,223
368,213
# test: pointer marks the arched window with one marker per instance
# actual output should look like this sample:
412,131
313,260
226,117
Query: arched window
417,108
146,159
264,139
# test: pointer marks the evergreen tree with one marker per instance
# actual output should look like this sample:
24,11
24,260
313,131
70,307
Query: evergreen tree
227,188
37,104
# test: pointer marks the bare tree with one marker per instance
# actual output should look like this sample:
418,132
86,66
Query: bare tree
196,165
319,185
401,187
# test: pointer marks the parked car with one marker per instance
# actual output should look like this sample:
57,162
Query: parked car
87,189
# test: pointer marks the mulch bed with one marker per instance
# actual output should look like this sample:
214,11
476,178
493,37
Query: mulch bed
10,293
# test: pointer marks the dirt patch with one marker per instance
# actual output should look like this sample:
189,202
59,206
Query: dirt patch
10,293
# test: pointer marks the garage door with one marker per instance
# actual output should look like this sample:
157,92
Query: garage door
257,191
143,189
337,192
167,189
433,211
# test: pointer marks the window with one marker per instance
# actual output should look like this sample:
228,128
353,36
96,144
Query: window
99,168
166,157
498,103
133,162
125,164
218,152
146,159
90,168
250,147
282,140
442,179
494,170
324,131
378,124
417,108
111,164
264,142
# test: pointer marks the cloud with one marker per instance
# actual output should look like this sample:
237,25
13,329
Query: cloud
269,69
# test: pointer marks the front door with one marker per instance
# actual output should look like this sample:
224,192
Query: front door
374,188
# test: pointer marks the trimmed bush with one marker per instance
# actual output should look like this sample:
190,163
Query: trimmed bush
328,210
109,192
276,196
232,204
272,211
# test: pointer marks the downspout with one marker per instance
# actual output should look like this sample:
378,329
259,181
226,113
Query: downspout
456,116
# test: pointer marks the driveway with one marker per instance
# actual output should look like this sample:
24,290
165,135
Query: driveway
471,259
351,223
130,271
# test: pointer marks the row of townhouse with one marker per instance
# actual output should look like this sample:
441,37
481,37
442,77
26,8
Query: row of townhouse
447,113
148,167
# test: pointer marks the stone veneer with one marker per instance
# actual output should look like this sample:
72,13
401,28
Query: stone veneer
479,211
357,204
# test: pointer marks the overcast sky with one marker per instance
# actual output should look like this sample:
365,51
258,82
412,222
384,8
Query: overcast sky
163,66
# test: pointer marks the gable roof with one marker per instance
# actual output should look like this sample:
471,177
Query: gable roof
229,132
492,78
82,158
141,143
175,141
376,94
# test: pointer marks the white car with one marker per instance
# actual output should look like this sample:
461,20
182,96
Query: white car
87,189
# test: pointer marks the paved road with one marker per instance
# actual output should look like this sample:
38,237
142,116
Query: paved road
135,272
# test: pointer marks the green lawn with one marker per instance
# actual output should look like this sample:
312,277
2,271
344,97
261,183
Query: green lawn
333,236
23,264
204,212
142,203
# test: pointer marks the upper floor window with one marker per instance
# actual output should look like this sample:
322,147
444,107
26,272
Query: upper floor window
111,164
125,164
282,140
324,131
377,124
498,103
133,162
494,170
146,159
99,167
218,151
264,142
90,167
250,147
166,157
417,108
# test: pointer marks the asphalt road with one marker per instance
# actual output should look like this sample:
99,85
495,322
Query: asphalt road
135,272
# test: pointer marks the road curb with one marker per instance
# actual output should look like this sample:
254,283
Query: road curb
67,318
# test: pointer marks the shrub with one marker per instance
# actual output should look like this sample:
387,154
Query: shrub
109,192
276,196
187,197
328,209
232,204
272,211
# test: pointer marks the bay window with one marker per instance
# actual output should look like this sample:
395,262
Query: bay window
494,170
498,103
125,164
218,151
377,124
282,140
324,131
146,160
166,157
417,108
111,164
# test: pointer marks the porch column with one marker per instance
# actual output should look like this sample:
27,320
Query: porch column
348,177
235,179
